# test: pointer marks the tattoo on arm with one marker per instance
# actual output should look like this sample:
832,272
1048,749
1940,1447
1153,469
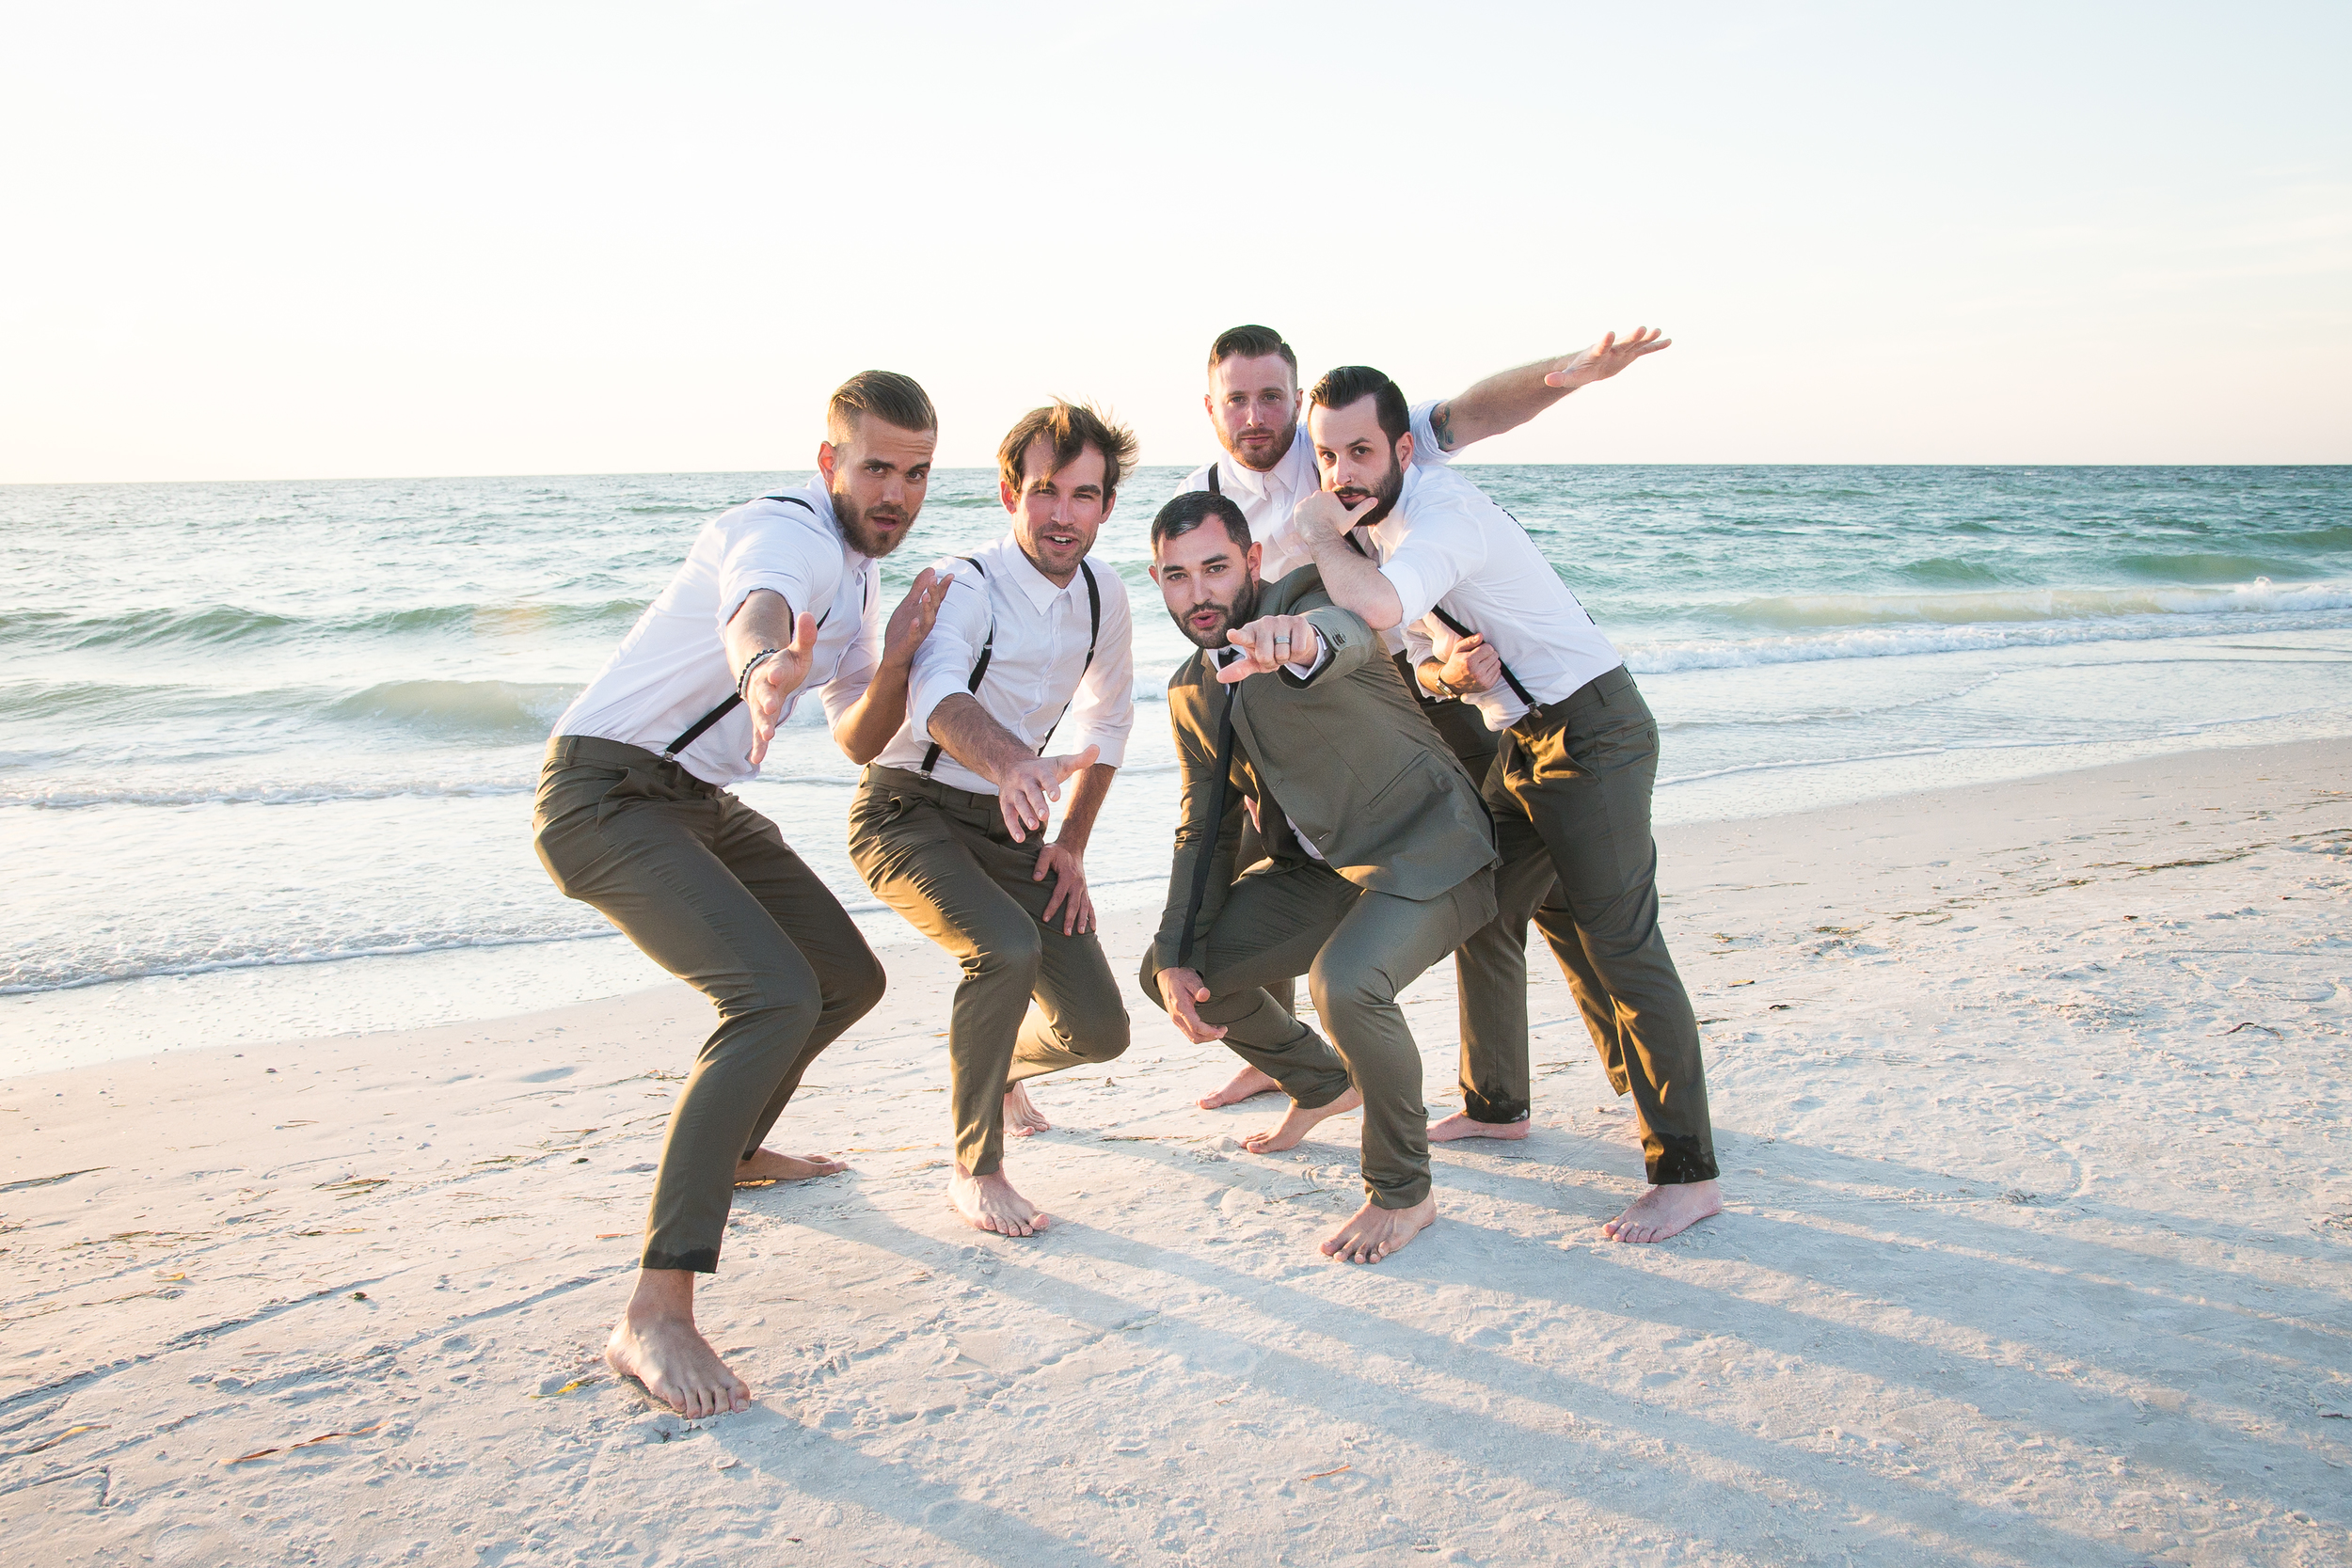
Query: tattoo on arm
1441,424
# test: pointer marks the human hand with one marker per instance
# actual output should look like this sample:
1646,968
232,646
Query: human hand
1027,789
1605,359
1070,888
776,679
1184,992
1269,643
912,620
1322,516
1472,666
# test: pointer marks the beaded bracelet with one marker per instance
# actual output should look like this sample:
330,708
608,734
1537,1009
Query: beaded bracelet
743,681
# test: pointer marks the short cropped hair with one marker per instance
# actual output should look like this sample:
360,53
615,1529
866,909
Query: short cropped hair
1352,383
1252,343
892,398
1069,428
1192,508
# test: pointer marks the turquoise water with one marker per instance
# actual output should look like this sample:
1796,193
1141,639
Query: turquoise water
258,725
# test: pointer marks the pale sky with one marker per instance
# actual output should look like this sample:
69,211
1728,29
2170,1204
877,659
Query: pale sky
247,241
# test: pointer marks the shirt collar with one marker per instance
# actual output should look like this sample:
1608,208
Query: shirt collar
1019,569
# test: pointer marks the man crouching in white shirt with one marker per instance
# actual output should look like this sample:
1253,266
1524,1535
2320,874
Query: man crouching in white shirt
777,596
1572,779
1033,638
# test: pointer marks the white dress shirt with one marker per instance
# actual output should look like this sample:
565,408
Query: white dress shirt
1446,546
1267,500
1033,680
672,668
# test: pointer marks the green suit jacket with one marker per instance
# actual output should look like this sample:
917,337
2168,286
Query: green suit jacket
1345,754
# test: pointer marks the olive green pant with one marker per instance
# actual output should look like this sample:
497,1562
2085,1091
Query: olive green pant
1490,971
1577,774
1358,949
1032,1000
706,887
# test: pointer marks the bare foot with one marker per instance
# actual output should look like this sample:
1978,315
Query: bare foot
765,1166
656,1342
1459,1125
1664,1211
989,1203
1245,1084
1372,1232
1297,1121
1022,1117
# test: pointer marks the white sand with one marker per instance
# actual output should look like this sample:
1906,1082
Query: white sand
2038,1251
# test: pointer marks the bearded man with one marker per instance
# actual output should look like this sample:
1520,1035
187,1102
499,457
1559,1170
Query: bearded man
633,816
1571,784
1376,859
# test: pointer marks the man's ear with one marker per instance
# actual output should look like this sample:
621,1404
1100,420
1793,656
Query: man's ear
1252,557
828,458
1011,497
1405,451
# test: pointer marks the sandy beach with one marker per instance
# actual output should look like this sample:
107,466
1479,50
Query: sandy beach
2031,1100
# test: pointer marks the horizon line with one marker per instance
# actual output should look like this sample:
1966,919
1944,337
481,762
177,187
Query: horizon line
1140,468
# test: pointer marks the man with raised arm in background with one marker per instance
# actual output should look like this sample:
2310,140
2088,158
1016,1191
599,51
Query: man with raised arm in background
633,816
1033,637
1377,864
1254,402
1578,758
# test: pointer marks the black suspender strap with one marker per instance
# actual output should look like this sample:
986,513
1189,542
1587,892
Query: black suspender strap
1207,861
1094,630
734,700
1460,630
1455,628
1214,488
988,650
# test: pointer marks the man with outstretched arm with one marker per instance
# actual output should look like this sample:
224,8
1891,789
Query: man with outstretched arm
1577,759
1378,857
1254,402
633,816
1033,638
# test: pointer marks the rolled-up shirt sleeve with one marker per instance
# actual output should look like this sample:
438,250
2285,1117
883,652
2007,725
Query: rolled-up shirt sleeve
943,665
1441,548
1104,711
1425,447
772,548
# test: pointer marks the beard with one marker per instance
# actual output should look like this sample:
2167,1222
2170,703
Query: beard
857,526
1239,611
1275,454
1383,496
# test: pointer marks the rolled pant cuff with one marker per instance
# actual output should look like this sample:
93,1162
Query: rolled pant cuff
699,1260
1494,1113
1314,1100
1402,1197
1678,1167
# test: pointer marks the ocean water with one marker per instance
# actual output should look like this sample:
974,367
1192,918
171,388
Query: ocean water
266,749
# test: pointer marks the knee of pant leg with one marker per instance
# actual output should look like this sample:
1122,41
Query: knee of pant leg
787,1002
1352,988
1105,1040
1011,951
861,993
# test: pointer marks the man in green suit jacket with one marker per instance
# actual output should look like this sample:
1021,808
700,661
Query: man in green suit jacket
1379,854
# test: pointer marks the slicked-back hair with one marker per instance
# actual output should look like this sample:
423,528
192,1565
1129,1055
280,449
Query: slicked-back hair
892,398
1352,383
1069,429
1192,508
1252,343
